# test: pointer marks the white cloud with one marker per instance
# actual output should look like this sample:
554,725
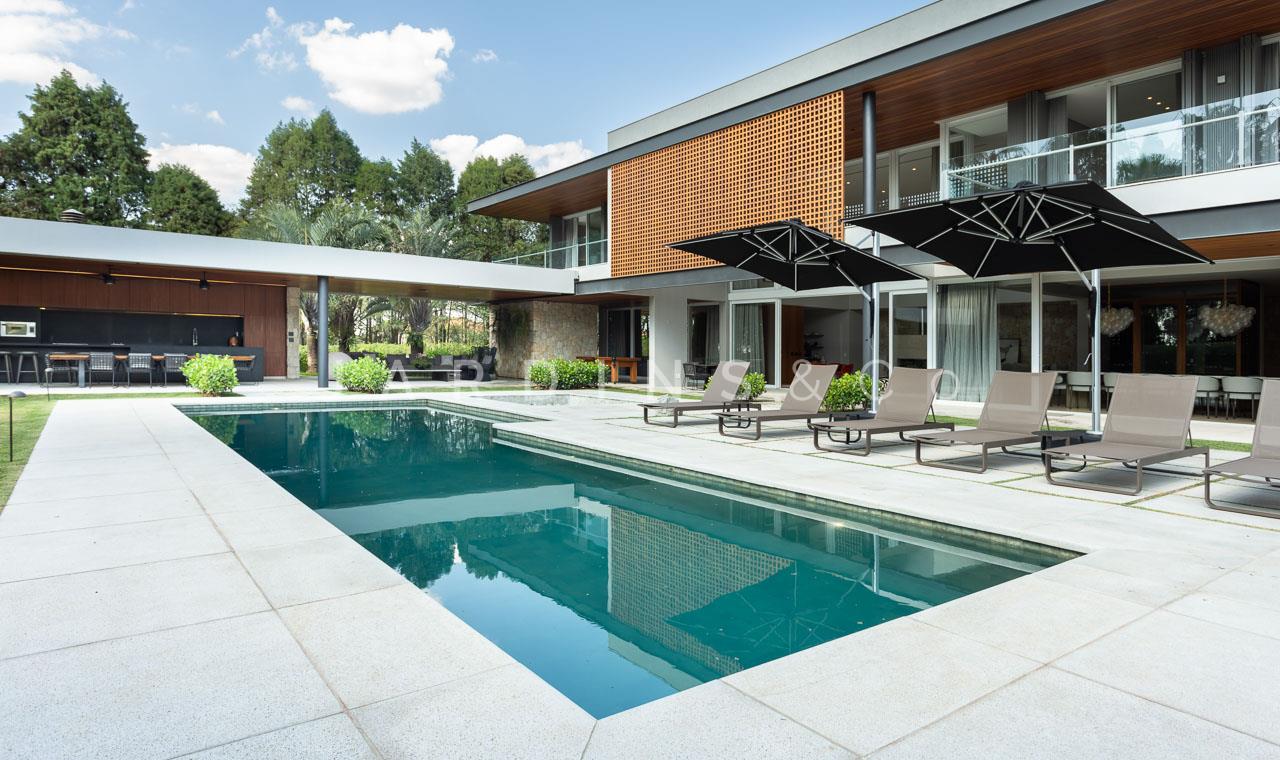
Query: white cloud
265,44
484,55
214,117
459,150
126,6
380,72
299,104
223,167
37,38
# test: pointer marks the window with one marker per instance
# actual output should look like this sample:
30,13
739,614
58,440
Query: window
704,334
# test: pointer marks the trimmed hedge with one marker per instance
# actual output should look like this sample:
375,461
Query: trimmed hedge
750,388
565,374
211,374
364,375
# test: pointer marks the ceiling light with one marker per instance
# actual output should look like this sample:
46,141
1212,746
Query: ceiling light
1149,97
1159,103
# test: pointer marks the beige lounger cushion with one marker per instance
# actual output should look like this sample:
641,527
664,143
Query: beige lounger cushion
1265,459
1149,416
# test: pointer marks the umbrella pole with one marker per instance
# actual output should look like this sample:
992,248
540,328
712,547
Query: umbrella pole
875,332
1095,398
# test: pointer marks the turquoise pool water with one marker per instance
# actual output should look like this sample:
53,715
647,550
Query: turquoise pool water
616,589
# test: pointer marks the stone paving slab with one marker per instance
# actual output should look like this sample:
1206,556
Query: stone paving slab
97,511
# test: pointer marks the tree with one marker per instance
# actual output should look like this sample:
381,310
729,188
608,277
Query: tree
77,148
419,234
341,225
305,165
376,187
484,238
179,200
425,179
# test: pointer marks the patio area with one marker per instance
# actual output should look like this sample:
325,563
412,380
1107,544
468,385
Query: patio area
177,602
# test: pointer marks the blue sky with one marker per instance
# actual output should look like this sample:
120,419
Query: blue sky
207,81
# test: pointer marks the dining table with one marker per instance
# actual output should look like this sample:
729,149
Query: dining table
81,360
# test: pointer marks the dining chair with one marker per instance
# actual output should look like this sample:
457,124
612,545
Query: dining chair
101,362
1242,389
1208,393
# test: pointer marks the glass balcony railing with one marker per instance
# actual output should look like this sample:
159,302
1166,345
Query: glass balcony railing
1230,134
563,257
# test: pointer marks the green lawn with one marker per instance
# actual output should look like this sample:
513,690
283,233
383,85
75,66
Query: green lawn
29,415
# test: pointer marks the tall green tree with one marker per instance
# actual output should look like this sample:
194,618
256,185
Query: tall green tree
305,165
423,178
179,200
376,187
420,234
77,148
484,238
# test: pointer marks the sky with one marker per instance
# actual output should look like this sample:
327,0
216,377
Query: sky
206,81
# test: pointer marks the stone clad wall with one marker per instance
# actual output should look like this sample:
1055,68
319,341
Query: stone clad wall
526,332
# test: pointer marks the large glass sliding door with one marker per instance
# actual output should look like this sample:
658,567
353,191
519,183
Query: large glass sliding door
626,334
753,336
704,334
585,240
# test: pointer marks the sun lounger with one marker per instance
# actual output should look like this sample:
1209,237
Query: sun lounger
904,406
1149,418
803,401
1014,409
1263,463
720,396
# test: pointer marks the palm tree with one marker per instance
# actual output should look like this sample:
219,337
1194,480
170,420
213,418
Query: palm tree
420,235
341,225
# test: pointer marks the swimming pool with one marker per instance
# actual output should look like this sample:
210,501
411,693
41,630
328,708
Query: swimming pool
615,588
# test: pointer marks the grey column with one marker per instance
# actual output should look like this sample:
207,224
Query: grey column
871,307
1095,349
322,332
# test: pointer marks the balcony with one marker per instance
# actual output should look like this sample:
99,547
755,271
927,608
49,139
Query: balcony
1230,134
571,256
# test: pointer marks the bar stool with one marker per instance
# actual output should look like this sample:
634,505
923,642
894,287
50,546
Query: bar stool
23,357
8,366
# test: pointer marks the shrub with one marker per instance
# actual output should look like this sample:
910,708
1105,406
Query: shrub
304,363
211,374
851,390
751,387
364,375
565,374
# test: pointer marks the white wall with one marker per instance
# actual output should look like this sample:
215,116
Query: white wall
668,338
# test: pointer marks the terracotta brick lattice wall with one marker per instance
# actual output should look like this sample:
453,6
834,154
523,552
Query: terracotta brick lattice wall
783,165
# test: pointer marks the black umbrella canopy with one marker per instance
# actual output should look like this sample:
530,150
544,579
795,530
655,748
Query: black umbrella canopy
795,256
1070,226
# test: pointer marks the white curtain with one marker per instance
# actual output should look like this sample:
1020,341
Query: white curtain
967,334
748,334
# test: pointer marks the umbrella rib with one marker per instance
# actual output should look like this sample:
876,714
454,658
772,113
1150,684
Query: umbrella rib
978,272
1058,229
1002,222
1193,256
1072,262
935,237
968,218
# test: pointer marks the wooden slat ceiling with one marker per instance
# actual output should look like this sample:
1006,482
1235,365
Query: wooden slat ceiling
568,197
1238,246
1102,41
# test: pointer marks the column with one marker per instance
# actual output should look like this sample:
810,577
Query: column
322,332
871,307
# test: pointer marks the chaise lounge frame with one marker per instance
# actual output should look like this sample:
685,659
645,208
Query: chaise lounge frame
1016,404
905,406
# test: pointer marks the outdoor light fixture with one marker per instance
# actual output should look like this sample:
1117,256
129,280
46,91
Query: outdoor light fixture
108,278
204,281
12,395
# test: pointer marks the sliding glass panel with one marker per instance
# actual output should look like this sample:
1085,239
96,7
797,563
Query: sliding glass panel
917,177
1148,135
853,189
596,251
1013,324
1066,331
1159,338
749,342
967,340
910,344
1208,353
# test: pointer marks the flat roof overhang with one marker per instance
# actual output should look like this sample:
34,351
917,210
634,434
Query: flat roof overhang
89,249
561,192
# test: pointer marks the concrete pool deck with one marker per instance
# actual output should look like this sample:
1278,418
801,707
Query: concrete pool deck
160,597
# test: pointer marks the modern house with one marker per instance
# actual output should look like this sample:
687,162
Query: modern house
1174,105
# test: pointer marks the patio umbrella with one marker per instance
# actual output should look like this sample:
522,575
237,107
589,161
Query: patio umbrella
796,256
1069,226
1064,227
